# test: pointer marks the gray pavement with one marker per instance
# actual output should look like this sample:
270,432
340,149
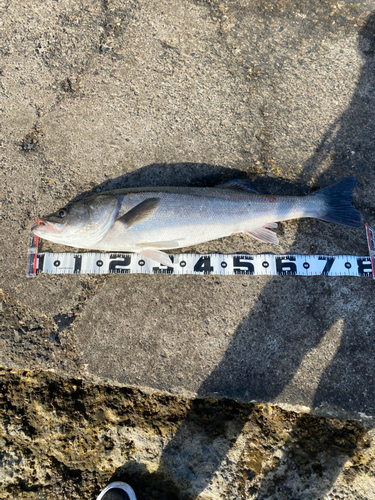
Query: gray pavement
99,95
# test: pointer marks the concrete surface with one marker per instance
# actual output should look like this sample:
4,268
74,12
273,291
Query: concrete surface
103,94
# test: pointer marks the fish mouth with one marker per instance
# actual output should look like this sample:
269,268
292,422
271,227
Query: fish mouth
46,226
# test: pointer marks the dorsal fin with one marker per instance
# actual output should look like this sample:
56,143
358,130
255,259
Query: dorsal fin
237,184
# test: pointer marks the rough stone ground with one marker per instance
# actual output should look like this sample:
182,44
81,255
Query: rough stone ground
107,93
64,438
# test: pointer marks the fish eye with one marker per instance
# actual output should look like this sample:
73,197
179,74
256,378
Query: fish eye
62,212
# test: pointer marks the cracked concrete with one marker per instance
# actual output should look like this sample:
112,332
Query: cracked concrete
103,94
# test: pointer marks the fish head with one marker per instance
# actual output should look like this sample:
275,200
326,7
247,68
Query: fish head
82,224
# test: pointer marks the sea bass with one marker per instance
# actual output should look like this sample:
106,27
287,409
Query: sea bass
151,219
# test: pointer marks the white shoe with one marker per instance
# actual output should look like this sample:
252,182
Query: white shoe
117,491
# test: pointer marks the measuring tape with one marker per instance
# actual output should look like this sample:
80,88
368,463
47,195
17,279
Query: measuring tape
262,264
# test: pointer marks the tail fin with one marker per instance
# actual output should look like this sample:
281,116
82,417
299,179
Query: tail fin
338,200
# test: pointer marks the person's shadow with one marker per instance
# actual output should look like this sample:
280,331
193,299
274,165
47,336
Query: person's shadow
307,341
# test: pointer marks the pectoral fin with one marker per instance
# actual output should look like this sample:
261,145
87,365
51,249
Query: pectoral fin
264,235
140,212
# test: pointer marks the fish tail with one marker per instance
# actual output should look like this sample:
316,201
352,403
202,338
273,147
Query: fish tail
338,203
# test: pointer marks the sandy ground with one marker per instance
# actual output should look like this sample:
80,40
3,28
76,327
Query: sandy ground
106,94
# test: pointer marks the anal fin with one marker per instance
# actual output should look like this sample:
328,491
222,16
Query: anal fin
264,235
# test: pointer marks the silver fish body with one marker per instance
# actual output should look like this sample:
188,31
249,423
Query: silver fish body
149,220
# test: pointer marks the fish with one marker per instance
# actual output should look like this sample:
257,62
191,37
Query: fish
149,220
